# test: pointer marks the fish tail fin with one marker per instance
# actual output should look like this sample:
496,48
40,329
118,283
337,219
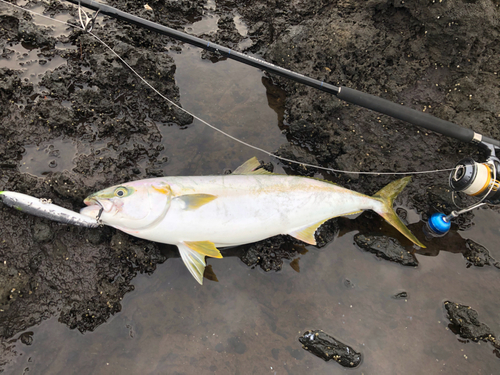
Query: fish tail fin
386,196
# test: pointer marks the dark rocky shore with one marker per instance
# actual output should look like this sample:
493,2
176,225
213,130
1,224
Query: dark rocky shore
428,55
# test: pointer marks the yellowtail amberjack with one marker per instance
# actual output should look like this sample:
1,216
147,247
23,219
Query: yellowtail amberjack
201,213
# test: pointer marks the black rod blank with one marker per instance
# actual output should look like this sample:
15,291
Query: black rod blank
372,102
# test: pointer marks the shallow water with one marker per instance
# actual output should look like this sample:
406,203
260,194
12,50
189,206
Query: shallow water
54,156
249,321
229,96
29,60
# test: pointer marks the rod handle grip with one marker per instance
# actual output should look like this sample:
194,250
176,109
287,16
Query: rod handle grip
410,115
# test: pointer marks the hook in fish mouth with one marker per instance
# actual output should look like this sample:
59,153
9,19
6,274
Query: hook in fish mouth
94,202
98,217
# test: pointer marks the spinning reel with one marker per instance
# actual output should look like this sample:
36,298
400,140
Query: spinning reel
475,179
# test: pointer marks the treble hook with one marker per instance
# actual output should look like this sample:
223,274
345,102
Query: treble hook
88,24
98,217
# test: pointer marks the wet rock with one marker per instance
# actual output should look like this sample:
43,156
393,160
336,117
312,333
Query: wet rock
9,27
400,295
34,35
479,256
328,348
269,254
327,232
465,323
386,248
173,13
299,154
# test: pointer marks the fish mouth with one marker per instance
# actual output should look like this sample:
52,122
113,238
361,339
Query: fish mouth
90,201
94,208
100,204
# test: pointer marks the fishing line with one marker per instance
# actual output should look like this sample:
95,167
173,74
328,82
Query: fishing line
84,27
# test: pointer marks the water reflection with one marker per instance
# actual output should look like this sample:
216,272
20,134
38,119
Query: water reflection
54,156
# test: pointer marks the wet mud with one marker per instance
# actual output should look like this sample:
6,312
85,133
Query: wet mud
75,120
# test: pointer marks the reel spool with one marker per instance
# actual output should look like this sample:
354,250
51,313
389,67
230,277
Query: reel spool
477,179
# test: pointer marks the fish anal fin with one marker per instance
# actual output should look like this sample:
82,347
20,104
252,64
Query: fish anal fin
194,262
193,255
352,213
306,234
250,167
195,201
205,248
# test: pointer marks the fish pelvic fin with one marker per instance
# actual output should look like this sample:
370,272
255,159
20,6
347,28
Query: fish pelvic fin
193,254
386,196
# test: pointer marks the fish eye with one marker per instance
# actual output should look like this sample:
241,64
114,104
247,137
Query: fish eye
121,192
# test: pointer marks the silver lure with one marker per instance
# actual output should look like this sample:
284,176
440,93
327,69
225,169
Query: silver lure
45,209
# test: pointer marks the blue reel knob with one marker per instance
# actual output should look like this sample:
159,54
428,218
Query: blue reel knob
438,224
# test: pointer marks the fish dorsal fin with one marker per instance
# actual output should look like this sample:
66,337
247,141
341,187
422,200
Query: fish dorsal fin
193,254
194,201
306,234
250,167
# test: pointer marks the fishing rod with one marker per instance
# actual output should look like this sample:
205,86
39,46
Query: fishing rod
469,177
349,95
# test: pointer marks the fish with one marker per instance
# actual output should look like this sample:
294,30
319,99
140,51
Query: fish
200,214
46,209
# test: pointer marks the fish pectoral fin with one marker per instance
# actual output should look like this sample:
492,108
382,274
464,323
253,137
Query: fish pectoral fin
250,167
306,234
194,201
193,254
